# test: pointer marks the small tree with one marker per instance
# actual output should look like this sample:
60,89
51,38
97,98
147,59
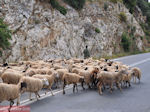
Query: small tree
125,41
130,4
77,4
105,6
56,5
122,17
5,35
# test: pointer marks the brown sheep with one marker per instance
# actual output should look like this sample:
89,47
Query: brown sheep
136,73
109,78
72,78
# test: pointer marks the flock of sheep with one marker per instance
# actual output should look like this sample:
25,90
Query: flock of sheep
32,76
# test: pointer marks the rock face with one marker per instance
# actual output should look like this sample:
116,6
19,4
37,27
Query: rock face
41,32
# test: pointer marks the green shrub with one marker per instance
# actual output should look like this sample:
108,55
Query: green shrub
130,4
105,6
145,7
133,29
5,35
122,17
115,1
77,4
97,30
125,42
57,6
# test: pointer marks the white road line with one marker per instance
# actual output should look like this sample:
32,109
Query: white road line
121,58
27,102
140,62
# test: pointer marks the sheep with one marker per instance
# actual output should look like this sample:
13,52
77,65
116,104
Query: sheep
11,77
57,66
72,78
78,60
50,79
34,85
127,78
10,92
108,78
61,72
89,75
136,73
32,72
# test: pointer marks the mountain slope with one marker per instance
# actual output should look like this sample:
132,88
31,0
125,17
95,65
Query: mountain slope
41,32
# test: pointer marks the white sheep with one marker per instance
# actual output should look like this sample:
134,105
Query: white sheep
109,78
34,85
72,78
11,77
50,79
10,92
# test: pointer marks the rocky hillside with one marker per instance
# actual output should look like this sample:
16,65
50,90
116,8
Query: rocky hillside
41,32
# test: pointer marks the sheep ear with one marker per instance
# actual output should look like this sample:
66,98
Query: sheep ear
82,61
86,68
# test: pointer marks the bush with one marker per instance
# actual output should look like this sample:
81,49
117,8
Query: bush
145,7
57,6
5,35
123,17
130,4
77,4
105,6
125,42
97,30
115,1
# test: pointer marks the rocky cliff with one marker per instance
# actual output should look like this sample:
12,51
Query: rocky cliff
41,32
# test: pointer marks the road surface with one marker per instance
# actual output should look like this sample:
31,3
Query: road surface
133,99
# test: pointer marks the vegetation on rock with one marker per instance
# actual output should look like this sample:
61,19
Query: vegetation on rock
57,6
122,17
5,35
76,4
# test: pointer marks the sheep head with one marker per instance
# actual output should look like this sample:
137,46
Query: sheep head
123,72
23,85
45,82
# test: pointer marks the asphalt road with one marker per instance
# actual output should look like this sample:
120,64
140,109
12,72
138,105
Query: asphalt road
133,99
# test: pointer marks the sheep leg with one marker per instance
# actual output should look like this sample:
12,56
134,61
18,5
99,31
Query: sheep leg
76,87
135,80
82,85
104,87
73,88
51,91
139,80
89,86
30,96
37,95
129,84
100,89
121,84
119,87
11,104
125,83
64,89
18,100
111,88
